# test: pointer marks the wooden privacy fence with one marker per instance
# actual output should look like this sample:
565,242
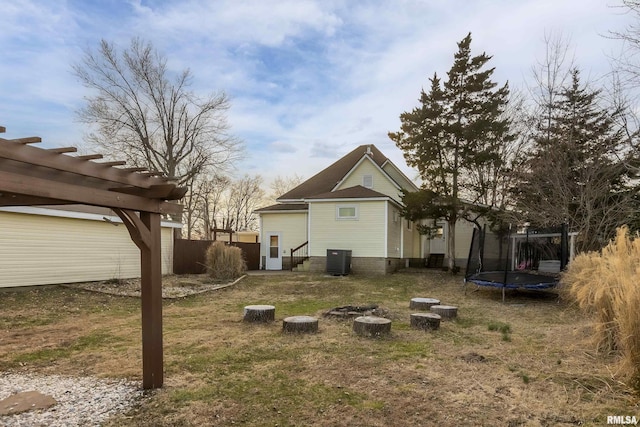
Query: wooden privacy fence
189,255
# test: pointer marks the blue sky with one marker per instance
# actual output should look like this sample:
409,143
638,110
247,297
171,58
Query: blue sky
309,80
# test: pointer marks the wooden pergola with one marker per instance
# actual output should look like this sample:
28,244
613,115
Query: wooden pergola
32,176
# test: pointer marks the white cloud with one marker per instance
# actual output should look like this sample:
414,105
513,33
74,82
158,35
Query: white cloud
309,80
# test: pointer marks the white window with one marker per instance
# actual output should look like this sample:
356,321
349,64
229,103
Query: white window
409,225
347,212
367,181
396,216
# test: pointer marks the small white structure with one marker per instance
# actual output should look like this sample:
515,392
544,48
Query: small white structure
67,244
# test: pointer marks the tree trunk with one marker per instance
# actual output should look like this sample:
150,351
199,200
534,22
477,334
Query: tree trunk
371,326
259,313
445,311
300,324
451,245
423,303
425,321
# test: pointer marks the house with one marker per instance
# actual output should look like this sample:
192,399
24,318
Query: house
354,204
70,243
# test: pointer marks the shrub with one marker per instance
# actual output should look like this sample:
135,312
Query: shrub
224,262
606,284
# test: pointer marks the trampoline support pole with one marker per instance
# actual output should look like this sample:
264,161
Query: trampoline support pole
506,264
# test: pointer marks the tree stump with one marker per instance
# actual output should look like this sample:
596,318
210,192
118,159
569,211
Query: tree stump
259,313
425,321
300,324
423,303
445,311
371,326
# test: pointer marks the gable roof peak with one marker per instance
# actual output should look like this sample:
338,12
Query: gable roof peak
325,180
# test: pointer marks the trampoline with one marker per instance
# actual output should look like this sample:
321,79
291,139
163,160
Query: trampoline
514,280
524,255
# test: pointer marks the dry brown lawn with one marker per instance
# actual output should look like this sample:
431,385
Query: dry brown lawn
526,362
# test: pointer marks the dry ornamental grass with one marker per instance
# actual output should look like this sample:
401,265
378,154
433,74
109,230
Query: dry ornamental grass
524,363
606,285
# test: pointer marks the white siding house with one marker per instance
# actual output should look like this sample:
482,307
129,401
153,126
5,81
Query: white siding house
40,246
281,231
354,204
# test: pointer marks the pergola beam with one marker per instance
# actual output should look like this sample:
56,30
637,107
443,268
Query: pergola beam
63,150
38,187
38,157
90,157
10,199
28,140
166,191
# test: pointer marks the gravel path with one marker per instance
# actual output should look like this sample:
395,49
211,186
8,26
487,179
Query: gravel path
82,401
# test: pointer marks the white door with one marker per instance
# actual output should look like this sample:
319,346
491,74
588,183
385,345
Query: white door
438,245
274,251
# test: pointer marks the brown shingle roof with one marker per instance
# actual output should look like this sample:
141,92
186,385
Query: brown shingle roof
325,180
357,192
284,207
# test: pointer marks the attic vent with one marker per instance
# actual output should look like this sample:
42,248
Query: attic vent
367,181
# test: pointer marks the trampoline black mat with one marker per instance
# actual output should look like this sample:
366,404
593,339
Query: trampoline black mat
514,280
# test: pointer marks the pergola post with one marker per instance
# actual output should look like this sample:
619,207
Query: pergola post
31,176
151,288
145,233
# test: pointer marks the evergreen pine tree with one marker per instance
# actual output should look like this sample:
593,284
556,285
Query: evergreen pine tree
453,138
577,170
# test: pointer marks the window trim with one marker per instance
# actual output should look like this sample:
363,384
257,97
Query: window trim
347,218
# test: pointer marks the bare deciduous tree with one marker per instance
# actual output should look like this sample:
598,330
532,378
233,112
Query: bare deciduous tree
282,184
139,111
211,201
245,196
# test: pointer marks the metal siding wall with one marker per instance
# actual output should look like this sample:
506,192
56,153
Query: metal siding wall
39,250
464,232
399,179
411,240
365,236
293,227
393,242
381,183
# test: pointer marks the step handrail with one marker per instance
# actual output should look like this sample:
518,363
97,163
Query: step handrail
299,254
